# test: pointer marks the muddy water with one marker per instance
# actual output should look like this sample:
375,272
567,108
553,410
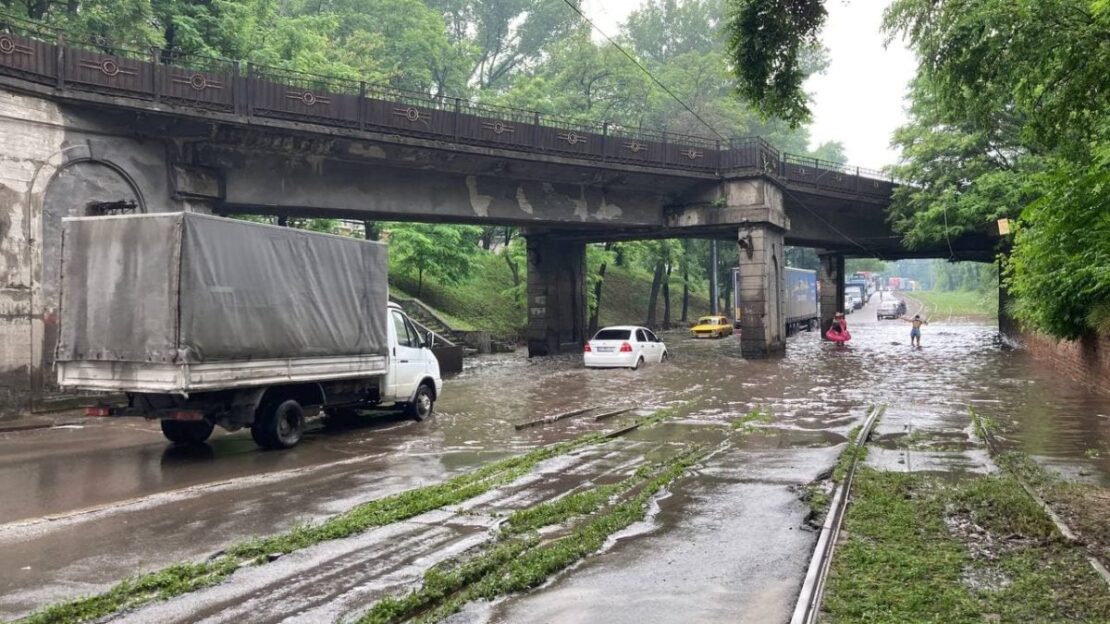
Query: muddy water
145,505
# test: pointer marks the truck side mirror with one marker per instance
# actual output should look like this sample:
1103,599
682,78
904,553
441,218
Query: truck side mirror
429,340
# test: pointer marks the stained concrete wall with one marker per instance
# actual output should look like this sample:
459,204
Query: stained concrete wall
556,295
830,275
54,163
378,190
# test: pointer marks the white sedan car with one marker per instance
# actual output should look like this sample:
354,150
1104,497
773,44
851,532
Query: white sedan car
623,346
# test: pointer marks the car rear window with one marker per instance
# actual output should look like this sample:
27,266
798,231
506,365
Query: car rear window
613,334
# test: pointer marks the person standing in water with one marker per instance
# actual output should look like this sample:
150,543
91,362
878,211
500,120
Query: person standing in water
915,331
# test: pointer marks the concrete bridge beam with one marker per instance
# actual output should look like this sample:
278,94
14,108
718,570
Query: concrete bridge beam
556,295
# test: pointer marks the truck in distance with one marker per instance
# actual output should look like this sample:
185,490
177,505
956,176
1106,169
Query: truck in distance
202,321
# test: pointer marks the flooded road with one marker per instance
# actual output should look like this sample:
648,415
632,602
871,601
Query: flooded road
85,507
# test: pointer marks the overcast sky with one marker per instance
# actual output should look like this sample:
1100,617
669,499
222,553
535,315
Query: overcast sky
859,99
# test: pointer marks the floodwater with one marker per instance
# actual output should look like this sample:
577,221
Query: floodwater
85,507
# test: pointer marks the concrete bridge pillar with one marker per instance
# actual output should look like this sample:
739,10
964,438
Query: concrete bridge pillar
760,287
556,295
831,284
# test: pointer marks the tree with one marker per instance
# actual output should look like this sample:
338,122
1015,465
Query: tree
801,258
445,251
768,44
1011,118
495,39
596,279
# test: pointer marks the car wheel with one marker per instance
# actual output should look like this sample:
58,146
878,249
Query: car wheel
639,362
279,426
187,432
422,404
663,358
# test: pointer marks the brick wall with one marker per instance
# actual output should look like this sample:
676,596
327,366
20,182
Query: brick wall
1086,360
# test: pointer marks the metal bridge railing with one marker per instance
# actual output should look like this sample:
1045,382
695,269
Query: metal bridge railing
33,52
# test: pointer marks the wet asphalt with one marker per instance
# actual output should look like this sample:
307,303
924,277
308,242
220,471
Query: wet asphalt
85,506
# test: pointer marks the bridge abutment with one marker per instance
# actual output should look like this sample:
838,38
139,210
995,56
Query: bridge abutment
830,275
556,295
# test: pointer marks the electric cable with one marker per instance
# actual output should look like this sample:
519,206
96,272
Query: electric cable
637,63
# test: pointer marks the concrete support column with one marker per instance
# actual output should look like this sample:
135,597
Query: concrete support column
830,276
760,288
556,295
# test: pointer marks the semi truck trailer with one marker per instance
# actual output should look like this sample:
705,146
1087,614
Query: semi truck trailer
203,321
799,299
802,312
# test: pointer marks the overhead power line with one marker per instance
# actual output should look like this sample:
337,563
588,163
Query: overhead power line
637,63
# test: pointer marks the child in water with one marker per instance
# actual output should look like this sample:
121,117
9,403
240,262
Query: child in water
915,331
838,332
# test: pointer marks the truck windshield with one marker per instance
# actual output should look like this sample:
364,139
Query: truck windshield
613,334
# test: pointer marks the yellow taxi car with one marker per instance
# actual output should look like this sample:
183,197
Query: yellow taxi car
712,327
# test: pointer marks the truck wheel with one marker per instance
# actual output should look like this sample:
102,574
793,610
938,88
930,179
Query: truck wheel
279,426
187,432
422,404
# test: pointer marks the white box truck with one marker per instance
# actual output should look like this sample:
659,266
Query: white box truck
204,321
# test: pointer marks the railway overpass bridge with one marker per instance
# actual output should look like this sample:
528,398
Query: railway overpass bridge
89,128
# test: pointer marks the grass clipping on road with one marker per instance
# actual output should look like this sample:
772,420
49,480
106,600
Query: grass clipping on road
519,559
182,578
927,548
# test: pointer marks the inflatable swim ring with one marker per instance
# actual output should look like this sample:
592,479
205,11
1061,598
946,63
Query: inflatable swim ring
839,337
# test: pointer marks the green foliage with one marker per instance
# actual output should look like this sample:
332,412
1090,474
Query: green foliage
446,251
1059,271
802,258
768,41
944,304
852,265
1011,118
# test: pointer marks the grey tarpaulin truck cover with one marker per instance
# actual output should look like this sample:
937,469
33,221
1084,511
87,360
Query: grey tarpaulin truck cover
186,289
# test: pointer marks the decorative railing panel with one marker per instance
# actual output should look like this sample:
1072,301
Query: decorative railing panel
199,81
27,56
30,51
108,72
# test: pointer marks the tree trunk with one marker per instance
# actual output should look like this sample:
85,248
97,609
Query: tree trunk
667,298
728,296
370,230
419,282
513,268
656,282
596,312
685,294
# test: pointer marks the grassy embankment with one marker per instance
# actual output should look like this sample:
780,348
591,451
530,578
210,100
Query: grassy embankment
969,303
485,300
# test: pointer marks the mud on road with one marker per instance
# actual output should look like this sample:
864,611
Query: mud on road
86,507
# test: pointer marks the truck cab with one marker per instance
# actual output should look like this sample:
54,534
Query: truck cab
411,363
